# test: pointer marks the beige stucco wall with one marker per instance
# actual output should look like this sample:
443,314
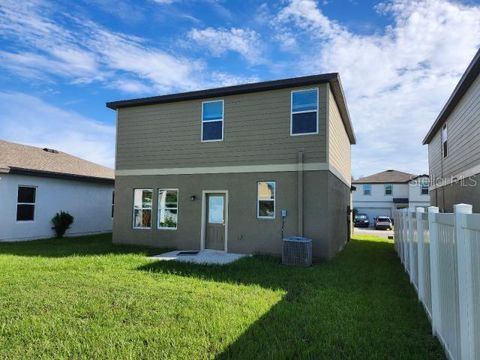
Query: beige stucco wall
325,205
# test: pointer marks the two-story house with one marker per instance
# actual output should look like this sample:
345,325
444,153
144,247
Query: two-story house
454,145
236,168
380,194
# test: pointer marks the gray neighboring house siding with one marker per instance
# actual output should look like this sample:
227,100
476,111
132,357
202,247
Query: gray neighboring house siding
159,147
461,115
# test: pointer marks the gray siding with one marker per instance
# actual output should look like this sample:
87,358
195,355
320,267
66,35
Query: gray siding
257,131
466,192
324,211
463,127
435,157
338,141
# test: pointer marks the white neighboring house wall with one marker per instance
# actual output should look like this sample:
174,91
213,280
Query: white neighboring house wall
90,204
377,203
415,197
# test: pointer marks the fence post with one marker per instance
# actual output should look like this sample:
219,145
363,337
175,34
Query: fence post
399,227
465,282
395,233
433,230
420,251
407,244
410,242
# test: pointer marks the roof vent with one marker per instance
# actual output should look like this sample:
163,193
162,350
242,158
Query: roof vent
389,170
53,151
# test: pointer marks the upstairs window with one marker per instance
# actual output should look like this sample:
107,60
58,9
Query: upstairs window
167,209
444,141
388,189
367,189
142,208
304,116
212,120
266,199
26,203
424,188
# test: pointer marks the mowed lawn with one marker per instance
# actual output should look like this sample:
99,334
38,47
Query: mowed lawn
85,298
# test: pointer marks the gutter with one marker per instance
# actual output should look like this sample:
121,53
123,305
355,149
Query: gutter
63,176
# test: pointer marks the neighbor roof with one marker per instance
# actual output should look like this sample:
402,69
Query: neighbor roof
333,79
386,177
31,160
463,85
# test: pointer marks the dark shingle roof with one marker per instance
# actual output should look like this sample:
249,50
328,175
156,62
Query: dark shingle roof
386,177
463,85
333,79
25,159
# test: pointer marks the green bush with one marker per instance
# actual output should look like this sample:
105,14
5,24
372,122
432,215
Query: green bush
61,222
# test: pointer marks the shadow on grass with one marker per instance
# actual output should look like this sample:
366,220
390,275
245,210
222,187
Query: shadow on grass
73,246
358,305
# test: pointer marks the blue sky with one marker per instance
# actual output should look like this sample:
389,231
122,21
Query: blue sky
399,60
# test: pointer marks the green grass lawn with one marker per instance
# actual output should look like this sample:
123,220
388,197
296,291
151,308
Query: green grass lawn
85,298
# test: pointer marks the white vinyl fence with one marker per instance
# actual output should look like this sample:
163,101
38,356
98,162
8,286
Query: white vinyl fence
441,253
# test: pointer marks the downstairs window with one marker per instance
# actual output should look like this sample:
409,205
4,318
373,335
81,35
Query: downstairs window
142,208
26,203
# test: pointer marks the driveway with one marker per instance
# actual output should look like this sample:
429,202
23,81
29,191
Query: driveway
371,231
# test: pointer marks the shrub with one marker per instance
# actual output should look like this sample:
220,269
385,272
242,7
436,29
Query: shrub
61,222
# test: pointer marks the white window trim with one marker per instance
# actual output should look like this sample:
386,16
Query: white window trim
302,112
385,190
133,211
23,203
159,208
274,201
215,120
363,190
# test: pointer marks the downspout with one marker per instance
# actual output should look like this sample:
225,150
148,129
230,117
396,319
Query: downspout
300,192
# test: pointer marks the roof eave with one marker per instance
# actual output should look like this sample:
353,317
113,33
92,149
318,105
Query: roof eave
224,91
463,85
59,175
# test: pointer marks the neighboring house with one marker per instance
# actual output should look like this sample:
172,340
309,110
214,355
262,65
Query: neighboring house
382,193
453,145
37,183
236,168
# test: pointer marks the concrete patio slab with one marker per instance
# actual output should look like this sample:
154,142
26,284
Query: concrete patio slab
207,257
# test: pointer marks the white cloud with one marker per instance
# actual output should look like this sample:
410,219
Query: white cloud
396,82
225,79
246,42
87,52
29,120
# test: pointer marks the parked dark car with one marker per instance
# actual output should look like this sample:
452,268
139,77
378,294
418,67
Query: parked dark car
383,223
361,220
